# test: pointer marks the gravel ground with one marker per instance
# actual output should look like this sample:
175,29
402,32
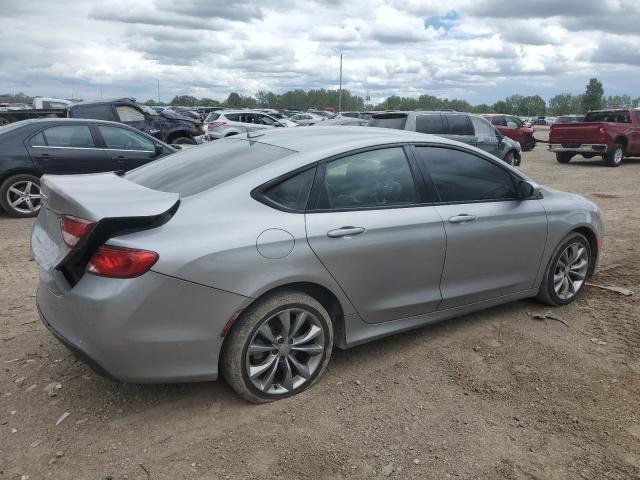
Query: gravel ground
494,395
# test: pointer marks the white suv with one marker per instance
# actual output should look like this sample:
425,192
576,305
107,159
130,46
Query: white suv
225,123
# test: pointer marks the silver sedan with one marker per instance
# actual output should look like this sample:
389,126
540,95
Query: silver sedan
256,255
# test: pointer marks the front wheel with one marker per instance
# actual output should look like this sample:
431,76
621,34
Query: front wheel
20,195
529,144
278,347
184,141
614,156
567,271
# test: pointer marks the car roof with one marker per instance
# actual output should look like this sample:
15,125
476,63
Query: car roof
106,100
327,139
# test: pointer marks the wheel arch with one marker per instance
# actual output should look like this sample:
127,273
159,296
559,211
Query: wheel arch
20,171
622,140
592,238
177,134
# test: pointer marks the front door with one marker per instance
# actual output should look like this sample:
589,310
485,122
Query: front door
126,149
495,240
66,149
368,229
486,135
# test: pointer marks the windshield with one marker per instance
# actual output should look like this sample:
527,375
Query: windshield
389,120
201,168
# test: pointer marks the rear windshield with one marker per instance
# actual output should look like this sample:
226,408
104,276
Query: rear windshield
212,116
203,167
614,117
389,120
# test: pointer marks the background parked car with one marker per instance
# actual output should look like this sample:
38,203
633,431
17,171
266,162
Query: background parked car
343,121
167,125
515,129
225,123
463,127
32,148
306,118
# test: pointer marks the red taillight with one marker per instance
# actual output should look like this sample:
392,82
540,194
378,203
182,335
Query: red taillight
216,124
120,262
73,229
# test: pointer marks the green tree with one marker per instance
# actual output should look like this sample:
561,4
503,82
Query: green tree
150,103
233,100
208,102
593,98
183,101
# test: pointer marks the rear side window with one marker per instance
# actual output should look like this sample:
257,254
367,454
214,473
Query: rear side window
232,117
76,136
96,112
199,169
292,193
389,120
430,124
613,117
38,141
458,125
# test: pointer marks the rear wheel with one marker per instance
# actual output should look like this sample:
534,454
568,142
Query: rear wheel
614,156
20,195
567,271
278,347
529,144
564,157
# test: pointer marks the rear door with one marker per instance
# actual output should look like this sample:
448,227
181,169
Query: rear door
67,149
495,240
125,149
368,227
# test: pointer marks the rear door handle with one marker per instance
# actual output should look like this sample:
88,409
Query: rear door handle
345,232
462,218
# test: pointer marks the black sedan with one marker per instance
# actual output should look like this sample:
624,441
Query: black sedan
31,148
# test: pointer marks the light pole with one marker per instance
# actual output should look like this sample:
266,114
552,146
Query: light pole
340,88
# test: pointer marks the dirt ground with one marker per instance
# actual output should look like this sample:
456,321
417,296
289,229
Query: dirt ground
494,395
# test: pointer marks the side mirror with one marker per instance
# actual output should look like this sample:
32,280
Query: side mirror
159,150
527,189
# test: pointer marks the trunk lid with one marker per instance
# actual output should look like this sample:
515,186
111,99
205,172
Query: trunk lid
113,204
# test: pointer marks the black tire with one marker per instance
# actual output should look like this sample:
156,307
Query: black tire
547,293
614,156
588,155
184,141
6,196
233,363
529,144
509,158
564,157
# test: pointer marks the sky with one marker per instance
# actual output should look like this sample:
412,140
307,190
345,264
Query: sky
478,50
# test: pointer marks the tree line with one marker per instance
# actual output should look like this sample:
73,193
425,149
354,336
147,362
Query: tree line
530,106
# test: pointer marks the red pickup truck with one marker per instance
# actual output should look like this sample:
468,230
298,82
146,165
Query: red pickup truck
611,134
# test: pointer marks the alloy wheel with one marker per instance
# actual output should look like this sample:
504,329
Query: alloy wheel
285,351
570,271
24,197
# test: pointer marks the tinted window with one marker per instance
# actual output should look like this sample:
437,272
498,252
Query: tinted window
129,114
613,116
233,117
638,116
212,116
458,125
389,120
499,121
123,139
193,171
97,112
38,140
78,136
485,132
293,192
462,177
430,124
368,179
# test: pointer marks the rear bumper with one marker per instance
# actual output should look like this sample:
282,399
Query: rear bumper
149,329
597,148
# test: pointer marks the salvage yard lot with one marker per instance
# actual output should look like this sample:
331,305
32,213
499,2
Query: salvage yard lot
496,394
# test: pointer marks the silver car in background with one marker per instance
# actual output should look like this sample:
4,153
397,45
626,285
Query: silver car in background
225,123
306,118
256,255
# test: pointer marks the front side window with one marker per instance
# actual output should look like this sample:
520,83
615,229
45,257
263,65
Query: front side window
511,123
293,192
431,123
123,139
376,178
484,131
265,120
77,136
463,177
459,125
129,114
500,121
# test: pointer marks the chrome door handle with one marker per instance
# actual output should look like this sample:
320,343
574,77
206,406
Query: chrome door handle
345,232
462,218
